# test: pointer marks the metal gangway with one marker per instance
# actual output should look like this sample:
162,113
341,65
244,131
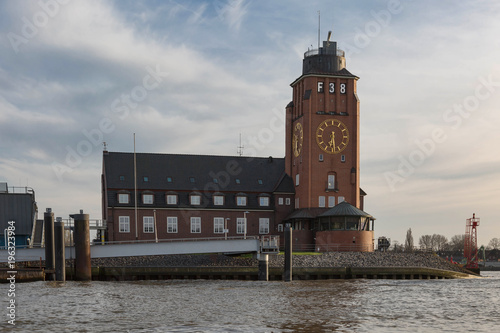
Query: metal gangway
230,245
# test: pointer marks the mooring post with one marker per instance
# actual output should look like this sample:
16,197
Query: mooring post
60,258
81,236
287,272
48,220
264,267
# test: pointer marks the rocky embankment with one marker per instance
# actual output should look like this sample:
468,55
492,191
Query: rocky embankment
332,259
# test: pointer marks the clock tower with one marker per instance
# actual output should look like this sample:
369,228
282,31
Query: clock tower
322,131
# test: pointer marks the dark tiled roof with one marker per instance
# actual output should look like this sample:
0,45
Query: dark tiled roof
306,213
345,209
253,174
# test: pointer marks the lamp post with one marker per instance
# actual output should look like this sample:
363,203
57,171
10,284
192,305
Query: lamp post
154,219
245,226
225,227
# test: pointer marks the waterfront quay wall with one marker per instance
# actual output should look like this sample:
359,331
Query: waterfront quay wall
275,274
331,265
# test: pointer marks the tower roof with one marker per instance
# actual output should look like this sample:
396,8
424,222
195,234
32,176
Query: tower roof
345,209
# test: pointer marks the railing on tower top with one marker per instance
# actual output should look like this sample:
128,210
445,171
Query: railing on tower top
309,53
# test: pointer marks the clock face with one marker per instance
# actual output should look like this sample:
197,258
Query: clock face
298,136
332,136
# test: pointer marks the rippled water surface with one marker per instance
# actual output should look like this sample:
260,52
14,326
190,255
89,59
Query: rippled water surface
470,305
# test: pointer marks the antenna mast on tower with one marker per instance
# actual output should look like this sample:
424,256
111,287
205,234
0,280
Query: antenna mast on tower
319,27
240,148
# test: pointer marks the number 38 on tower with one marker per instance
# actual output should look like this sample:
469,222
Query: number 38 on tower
332,136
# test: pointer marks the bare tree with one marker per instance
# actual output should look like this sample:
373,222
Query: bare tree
425,242
409,241
439,242
457,242
494,244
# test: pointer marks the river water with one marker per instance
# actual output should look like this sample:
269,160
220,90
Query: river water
468,305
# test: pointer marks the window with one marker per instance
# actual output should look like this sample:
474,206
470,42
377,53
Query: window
264,225
280,227
341,199
172,224
287,201
147,199
342,158
191,179
237,180
196,225
321,157
123,198
260,182
264,201
218,225
321,201
148,224
218,200
216,181
297,180
145,179
241,201
331,182
331,201
296,203
124,223
195,199
171,199
122,178
280,201
169,179
240,225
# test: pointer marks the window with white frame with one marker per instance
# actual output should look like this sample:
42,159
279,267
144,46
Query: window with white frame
331,182
241,200
240,225
280,227
172,224
287,201
296,203
218,200
341,199
171,199
147,199
263,225
297,179
264,201
195,199
195,225
321,201
124,223
331,201
148,224
123,198
218,225
280,201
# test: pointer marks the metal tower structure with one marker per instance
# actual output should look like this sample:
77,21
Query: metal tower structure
470,244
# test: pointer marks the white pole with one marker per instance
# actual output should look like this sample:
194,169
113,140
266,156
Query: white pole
154,217
135,191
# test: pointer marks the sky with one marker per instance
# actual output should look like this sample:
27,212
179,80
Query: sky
191,76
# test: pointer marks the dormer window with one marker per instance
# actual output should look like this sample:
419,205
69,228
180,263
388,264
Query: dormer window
123,198
147,199
218,200
264,201
171,199
195,199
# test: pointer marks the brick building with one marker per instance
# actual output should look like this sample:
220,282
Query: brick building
315,188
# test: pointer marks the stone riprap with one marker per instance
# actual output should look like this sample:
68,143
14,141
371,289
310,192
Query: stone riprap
331,259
